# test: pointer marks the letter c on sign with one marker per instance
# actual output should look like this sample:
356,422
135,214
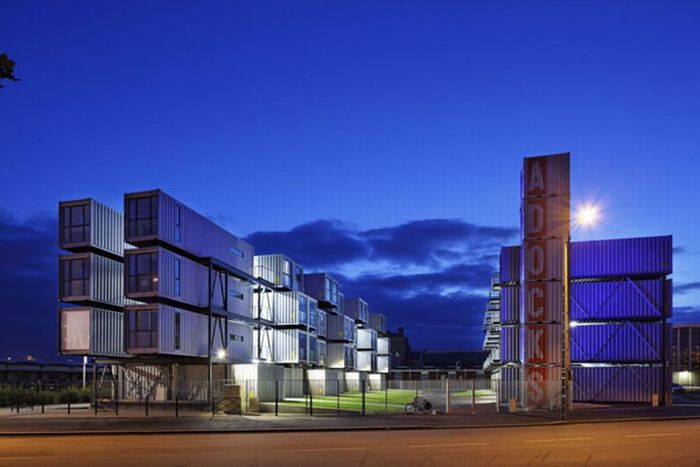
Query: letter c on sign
533,294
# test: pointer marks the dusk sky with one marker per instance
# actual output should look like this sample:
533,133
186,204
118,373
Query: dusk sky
381,141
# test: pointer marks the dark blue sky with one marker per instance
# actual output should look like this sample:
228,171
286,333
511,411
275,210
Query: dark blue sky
403,122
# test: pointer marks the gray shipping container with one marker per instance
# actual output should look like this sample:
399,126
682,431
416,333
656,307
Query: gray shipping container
292,308
377,321
167,330
91,331
322,329
340,355
280,271
357,309
340,328
89,225
633,257
366,339
186,229
104,283
383,365
510,344
617,299
324,289
366,360
291,346
383,346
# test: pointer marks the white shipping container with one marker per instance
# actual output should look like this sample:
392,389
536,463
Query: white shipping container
88,278
366,339
91,331
366,360
279,270
383,363
341,355
88,224
383,346
290,346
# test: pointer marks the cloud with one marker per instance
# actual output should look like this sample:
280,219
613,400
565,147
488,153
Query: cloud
28,274
686,314
685,288
430,276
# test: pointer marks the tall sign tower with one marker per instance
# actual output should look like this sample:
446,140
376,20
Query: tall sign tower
544,229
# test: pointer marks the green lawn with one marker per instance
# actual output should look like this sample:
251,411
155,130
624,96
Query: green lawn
477,393
393,401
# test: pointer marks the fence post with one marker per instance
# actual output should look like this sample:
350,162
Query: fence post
311,403
177,404
447,395
69,398
277,398
337,396
42,402
386,397
147,405
498,396
362,385
116,405
473,394
31,401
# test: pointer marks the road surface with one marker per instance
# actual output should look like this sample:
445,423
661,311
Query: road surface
631,443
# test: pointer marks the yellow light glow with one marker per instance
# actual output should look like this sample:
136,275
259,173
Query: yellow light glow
221,354
587,215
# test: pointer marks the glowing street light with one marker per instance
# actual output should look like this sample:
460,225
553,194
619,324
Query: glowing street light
587,215
221,354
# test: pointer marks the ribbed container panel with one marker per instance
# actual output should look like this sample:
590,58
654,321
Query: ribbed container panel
383,365
510,344
198,235
240,298
543,259
383,346
340,328
366,339
279,270
366,360
377,321
617,342
510,384
510,265
286,309
357,309
315,286
193,332
105,227
619,299
91,331
287,346
554,170
617,383
341,355
105,281
546,217
543,302
648,256
240,344
510,304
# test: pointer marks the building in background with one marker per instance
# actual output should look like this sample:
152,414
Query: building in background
685,356
619,299
180,307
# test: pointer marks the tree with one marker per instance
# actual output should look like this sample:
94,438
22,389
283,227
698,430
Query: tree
7,68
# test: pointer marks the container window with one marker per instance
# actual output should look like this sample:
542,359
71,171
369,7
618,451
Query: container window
143,329
143,272
302,308
313,314
178,223
178,281
302,346
234,294
286,274
177,330
142,216
299,273
76,277
237,252
312,348
76,223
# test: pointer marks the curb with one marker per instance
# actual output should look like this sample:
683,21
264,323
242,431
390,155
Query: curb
334,429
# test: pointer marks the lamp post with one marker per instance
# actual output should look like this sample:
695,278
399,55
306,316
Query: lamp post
586,216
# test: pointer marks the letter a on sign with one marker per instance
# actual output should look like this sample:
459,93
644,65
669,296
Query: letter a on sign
535,180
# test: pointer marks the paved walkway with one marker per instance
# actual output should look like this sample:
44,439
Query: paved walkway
82,420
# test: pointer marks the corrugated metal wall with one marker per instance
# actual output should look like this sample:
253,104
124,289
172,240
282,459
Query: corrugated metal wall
620,299
377,321
106,228
383,364
336,327
510,344
240,344
107,281
286,308
286,346
366,360
315,286
622,257
544,341
272,269
194,328
383,346
107,332
510,265
510,304
616,383
543,302
617,342
366,339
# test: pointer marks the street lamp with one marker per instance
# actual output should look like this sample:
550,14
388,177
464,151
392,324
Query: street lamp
586,216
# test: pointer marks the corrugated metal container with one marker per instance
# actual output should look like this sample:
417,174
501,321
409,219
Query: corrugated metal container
322,353
550,172
184,228
542,387
240,343
366,360
542,302
91,331
103,284
357,309
87,224
263,306
291,308
240,298
510,265
377,321
322,329
509,386
341,355
626,383
366,339
510,304
263,339
619,299
383,365
340,328
510,344
177,332
324,289
648,256
617,342
545,217
291,346
383,346
280,271
324,382
543,260
541,344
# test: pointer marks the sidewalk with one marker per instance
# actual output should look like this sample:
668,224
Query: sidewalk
83,421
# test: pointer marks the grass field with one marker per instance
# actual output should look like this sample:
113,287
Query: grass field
393,401
477,393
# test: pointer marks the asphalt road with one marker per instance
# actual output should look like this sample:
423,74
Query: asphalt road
631,443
